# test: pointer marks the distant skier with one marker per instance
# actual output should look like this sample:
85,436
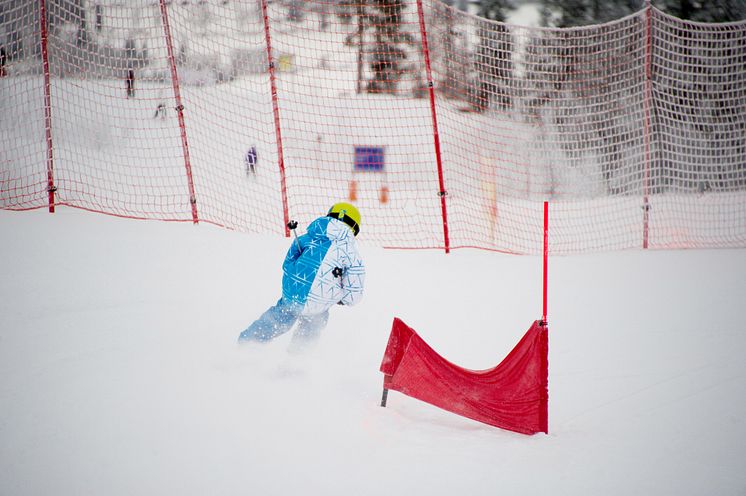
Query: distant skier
129,83
322,268
3,58
250,160
160,111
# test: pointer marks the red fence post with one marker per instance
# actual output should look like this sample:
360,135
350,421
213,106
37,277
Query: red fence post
179,109
647,99
276,111
546,258
51,188
436,136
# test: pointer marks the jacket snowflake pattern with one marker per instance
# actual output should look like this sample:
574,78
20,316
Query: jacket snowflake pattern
307,270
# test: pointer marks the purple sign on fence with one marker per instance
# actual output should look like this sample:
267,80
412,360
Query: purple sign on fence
369,158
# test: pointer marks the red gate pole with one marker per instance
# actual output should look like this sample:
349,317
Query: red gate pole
545,346
276,111
179,109
546,258
51,188
436,135
647,99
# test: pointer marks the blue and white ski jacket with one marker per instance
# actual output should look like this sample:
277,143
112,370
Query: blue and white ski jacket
307,271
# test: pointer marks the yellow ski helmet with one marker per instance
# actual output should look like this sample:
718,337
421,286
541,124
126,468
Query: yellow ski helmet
348,214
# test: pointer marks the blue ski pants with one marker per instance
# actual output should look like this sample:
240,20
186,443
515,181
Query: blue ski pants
280,318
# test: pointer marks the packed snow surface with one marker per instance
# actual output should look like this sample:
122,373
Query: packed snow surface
120,373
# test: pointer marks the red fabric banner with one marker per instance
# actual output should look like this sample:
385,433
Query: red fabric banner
513,395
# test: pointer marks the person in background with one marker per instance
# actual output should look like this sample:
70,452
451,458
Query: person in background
129,83
3,58
160,111
250,160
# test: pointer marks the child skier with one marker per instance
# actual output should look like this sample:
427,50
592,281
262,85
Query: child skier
322,268
249,160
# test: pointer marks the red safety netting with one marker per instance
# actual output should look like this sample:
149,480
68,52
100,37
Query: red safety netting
245,113
513,395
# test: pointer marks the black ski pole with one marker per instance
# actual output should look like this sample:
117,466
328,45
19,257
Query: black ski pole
292,225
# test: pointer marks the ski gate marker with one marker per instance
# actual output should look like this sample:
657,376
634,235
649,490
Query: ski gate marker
512,395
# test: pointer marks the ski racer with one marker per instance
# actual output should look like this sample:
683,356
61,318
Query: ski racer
322,268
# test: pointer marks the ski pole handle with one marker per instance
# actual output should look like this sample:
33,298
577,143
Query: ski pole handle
292,225
337,273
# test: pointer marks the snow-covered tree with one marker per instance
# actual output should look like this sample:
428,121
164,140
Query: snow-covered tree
704,10
386,54
493,57
389,54
572,88
568,13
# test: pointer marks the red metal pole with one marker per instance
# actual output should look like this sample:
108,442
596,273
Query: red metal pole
51,188
436,135
179,109
646,104
276,111
545,341
546,258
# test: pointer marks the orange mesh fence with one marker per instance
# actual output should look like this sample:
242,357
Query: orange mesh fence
446,129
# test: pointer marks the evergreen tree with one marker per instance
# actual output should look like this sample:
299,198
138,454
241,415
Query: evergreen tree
493,56
388,55
702,98
569,77
495,10
387,59
450,51
568,13
704,10
567,81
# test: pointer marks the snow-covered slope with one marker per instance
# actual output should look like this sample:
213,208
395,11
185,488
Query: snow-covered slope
120,373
